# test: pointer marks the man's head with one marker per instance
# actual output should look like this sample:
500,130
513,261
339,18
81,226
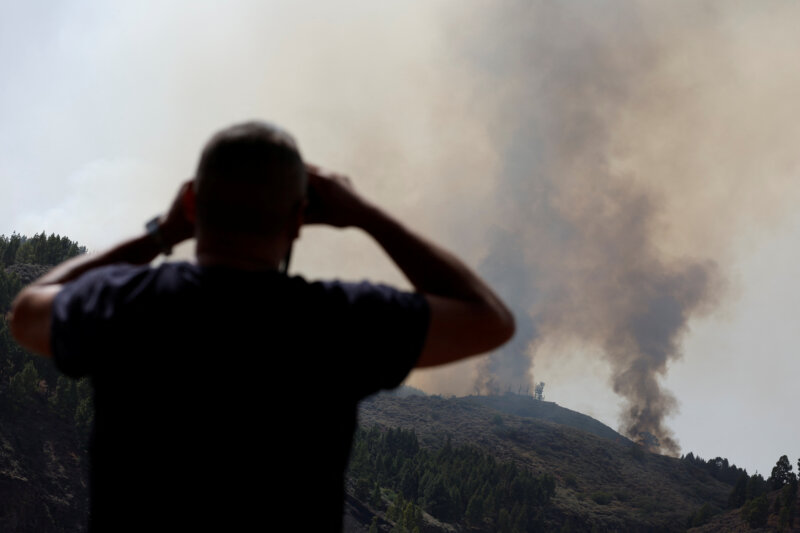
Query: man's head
250,181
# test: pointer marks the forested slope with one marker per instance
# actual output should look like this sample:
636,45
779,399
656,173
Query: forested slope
44,417
600,484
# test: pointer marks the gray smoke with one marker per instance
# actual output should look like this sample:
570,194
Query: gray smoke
612,149
579,253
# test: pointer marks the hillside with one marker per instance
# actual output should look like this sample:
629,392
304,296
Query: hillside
525,406
43,468
44,417
605,484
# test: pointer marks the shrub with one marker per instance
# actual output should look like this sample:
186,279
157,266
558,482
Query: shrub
602,498
756,511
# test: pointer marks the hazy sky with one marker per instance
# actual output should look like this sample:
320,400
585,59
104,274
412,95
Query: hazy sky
612,166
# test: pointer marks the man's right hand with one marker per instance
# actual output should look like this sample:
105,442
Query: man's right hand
179,222
333,200
467,317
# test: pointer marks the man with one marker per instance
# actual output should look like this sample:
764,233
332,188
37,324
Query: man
226,391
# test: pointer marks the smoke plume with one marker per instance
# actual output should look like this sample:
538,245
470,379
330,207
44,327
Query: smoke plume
594,159
579,97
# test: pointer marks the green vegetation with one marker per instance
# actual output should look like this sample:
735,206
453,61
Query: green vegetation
23,376
602,498
718,468
701,516
44,416
781,474
756,502
786,504
756,511
456,484
41,249
601,484
10,285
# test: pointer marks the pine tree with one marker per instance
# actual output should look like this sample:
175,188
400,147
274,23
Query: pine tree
375,499
10,285
24,383
738,495
84,412
756,511
10,248
781,473
362,489
395,513
474,512
756,486
65,400
409,521
504,521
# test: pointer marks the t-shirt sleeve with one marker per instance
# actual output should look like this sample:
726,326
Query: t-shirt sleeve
385,331
84,317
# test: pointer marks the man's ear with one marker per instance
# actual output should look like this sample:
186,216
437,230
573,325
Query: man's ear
190,203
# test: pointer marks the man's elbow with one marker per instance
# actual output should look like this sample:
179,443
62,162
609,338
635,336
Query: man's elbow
15,317
510,327
506,326
29,320
459,329
495,328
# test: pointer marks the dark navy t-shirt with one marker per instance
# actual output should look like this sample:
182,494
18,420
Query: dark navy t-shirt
226,398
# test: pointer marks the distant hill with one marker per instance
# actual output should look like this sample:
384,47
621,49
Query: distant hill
527,407
604,482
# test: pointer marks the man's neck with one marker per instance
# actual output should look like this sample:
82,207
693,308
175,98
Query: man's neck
241,252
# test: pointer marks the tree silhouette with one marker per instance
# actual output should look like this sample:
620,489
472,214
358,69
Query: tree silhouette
781,473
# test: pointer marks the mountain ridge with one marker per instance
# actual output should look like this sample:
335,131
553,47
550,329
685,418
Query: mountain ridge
608,484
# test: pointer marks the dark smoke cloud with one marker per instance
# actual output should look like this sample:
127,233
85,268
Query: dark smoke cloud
579,254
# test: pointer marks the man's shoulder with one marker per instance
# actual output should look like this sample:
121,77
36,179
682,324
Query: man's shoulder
121,271
121,281
119,276
355,289
364,294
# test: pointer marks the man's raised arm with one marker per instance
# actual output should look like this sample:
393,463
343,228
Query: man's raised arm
31,312
467,317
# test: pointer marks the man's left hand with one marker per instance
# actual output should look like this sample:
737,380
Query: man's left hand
178,224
